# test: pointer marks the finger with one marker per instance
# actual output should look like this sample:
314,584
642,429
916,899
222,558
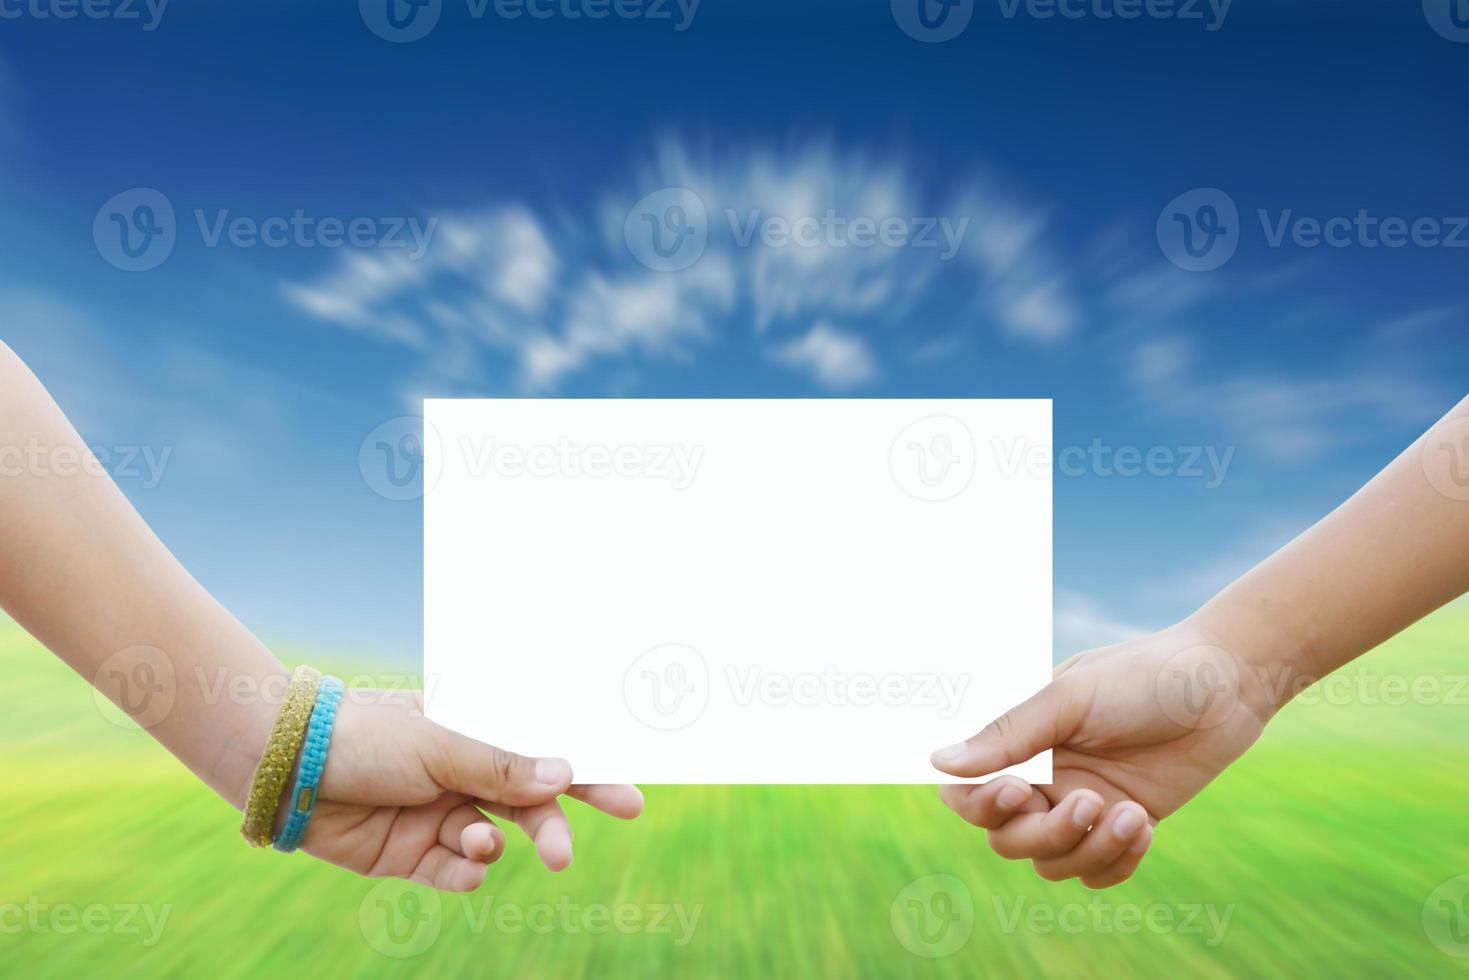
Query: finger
488,772
1019,734
482,841
547,827
1122,869
621,801
1104,844
470,833
1048,835
990,804
450,872
457,820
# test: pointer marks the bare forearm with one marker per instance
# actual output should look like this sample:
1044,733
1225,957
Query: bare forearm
87,577
1391,554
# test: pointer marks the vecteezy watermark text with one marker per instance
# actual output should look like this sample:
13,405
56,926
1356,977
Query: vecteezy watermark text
753,684
402,919
1200,230
935,21
1207,463
832,230
668,230
404,21
668,688
1103,917
145,463
1210,13
672,919
149,13
143,920
138,229
675,463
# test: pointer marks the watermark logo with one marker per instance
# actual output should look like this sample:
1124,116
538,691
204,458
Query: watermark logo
1199,230
932,21
1450,18
135,688
400,918
1446,917
933,916
1446,458
667,688
400,21
933,458
667,230
135,230
1198,687
402,459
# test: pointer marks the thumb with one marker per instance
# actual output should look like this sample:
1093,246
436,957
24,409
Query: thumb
488,772
1019,734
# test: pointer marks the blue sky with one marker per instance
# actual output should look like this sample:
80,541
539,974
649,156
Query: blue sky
519,146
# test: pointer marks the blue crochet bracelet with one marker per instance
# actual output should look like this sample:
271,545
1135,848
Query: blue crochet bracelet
313,761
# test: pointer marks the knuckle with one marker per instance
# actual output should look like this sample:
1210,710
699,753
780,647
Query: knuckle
1051,872
1004,846
1001,727
503,764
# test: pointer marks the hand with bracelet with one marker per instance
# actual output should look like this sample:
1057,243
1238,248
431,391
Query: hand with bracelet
1138,729
398,795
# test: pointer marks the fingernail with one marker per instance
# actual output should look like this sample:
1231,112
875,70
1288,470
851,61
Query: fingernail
552,772
1086,812
1128,822
950,755
1010,797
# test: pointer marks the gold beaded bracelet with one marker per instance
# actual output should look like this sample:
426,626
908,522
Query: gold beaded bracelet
280,757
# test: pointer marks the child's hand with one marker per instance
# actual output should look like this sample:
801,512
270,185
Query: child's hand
401,796
1136,730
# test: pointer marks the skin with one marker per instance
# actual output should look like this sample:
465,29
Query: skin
1138,729
400,795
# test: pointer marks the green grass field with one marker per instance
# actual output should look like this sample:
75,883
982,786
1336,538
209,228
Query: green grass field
1321,853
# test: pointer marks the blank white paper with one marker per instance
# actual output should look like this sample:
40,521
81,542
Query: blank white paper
736,591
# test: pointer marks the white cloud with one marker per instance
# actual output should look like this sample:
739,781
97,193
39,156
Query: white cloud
651,312
1079,622
834,358
506,285
1022,283
1288,419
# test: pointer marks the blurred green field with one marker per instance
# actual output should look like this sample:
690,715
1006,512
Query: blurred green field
1325,852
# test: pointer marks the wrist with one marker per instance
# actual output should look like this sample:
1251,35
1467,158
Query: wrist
244,731
1271,659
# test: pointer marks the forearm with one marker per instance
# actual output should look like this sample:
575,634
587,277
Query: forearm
86,576
1391,554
